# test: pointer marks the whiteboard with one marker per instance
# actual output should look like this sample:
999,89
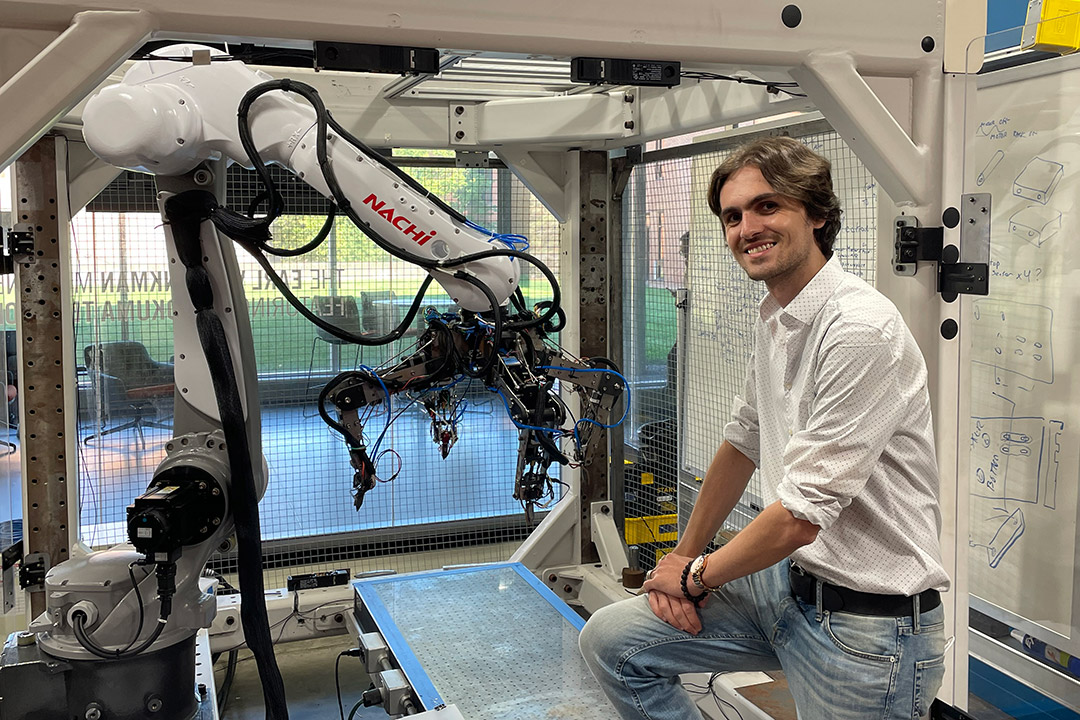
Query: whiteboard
1024,444
723,301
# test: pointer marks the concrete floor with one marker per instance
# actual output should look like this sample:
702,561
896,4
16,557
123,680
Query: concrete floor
307,667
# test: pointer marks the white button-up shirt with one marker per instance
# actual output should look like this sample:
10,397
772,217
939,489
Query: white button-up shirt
836,415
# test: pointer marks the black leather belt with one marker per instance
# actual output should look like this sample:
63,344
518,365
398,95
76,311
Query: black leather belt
835,598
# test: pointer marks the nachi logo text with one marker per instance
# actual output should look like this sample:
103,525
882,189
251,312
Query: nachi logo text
401,222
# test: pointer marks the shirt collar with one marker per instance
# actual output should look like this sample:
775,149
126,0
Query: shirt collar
805,306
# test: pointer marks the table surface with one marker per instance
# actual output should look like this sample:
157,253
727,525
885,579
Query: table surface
151,391
492,639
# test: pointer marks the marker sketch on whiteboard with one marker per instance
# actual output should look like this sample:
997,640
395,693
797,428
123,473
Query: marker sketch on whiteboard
1016,339
1015,463
1038,180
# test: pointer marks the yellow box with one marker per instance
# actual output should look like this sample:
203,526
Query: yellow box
652,529
1052,26
647,478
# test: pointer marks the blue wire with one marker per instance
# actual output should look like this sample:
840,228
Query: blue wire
512,241
386,390
462,407
378,440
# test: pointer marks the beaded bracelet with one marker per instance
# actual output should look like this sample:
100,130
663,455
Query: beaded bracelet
696,599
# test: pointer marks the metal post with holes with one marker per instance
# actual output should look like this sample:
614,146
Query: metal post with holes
593,279
44,427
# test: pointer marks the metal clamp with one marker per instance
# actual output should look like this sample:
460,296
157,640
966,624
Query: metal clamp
915,244
18,241
32,571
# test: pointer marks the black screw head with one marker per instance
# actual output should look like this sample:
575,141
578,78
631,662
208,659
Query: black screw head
791,16
928,44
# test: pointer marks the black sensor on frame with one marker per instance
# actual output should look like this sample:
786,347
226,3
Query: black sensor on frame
613,71
355,57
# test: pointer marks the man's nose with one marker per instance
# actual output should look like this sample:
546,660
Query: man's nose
751,225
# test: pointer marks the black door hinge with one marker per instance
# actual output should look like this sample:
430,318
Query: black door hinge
918,244
963,278
914,244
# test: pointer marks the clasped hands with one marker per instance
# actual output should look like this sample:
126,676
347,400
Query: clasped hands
664,586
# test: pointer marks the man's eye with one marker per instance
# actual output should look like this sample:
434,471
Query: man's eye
770,207
731,220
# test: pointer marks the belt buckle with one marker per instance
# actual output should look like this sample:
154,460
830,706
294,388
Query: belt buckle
795,568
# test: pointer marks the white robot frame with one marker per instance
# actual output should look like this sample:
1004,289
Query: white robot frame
886,94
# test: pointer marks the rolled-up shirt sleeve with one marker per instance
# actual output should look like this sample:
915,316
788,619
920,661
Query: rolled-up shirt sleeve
856,409
742,430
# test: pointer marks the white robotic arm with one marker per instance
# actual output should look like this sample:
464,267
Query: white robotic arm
167,116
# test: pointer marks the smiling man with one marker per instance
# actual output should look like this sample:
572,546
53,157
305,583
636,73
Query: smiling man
837,580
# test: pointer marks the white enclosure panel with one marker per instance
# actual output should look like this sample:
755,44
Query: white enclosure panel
1021,342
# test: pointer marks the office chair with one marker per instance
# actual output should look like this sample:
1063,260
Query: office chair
126,381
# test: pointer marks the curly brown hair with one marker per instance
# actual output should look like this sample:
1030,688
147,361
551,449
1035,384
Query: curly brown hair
793,170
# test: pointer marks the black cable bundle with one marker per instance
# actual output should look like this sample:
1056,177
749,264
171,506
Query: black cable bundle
185,213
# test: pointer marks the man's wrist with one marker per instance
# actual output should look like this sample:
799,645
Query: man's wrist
698,567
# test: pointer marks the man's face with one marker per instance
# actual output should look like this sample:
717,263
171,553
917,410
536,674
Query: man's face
769,234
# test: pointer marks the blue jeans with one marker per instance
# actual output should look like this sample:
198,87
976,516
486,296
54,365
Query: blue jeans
839,666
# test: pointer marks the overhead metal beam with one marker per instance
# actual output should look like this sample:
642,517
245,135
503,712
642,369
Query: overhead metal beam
65,71
694,31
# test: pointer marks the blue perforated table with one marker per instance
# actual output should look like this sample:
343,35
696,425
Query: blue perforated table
491,639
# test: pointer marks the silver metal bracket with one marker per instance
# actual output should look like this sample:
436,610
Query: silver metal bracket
471,159
975,227
970,276
463,124
11,557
